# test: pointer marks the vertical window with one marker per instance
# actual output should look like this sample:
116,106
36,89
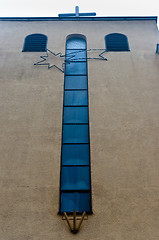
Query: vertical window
75,179
35,43
116,42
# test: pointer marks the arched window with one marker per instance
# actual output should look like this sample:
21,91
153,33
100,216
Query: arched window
75,183
76,41
116,42
35,43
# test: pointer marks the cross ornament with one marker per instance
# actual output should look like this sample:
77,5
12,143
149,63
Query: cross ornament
76,14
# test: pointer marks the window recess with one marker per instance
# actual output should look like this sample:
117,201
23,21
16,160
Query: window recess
75,178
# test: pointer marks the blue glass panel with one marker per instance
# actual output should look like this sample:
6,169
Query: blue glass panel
75,134
116,42
76,43
75,170
80,202
76,82
75,115
75,98
76,55
76,68
75,178
75,154
35,43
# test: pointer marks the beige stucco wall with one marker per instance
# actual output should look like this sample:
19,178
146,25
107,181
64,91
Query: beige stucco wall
124,134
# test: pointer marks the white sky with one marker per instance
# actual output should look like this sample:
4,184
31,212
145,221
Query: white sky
51,8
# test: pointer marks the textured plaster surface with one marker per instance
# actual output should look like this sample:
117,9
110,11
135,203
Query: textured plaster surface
124,134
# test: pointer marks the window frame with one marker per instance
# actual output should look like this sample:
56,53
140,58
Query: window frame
28,39
119,41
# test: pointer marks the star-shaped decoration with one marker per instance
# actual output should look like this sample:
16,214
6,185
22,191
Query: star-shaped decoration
73,56
102,53
96,54
92,54
51,56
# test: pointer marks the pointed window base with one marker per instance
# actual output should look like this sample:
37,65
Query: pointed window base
74,222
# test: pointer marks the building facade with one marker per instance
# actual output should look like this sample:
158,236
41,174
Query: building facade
94,81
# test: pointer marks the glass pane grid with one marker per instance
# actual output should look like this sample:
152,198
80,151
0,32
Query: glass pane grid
75,134
75,68
69,74
76,89
76,124
75,143
75,201
76,82
76,105
76,97
76,115
75,154
76,49
75,188
75,178
76,61
80,165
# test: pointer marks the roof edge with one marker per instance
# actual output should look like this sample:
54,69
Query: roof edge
29,19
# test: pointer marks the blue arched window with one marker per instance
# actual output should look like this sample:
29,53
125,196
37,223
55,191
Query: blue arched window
75,183
76,42
116,42
35,43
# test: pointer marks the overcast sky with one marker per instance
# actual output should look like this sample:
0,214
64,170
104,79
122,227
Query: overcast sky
51,8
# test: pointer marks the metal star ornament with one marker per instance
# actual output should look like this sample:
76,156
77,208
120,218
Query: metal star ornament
74,56
48,57
92,54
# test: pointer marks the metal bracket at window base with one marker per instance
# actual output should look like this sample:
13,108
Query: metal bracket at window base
74,228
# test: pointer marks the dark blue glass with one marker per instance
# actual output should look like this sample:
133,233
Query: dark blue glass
75,188
76,98
75,68
75,154
116,42
75,115
76,43
76,82
75,134
80,202
75,178
35,43
76,55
